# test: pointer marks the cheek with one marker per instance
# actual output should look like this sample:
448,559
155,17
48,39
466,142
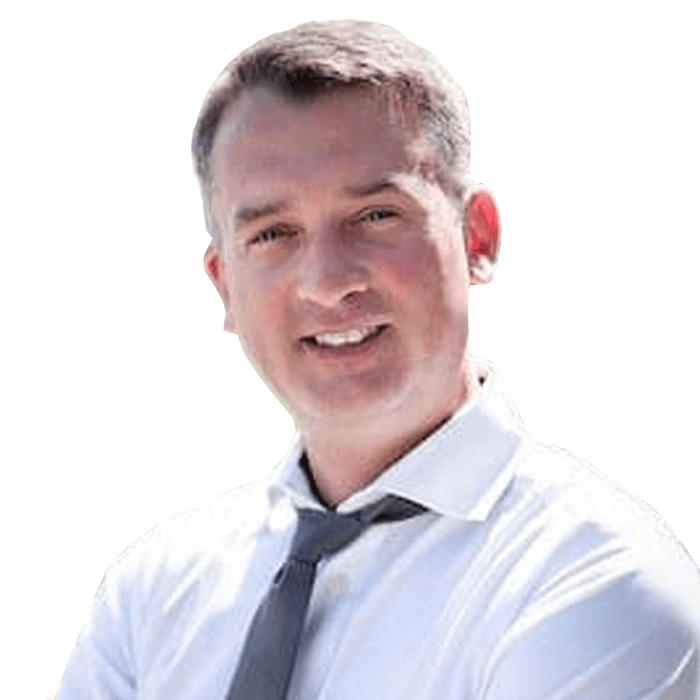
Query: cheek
433,276
258,309
431,287
411,268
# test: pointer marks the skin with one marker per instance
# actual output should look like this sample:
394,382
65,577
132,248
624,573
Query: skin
332,218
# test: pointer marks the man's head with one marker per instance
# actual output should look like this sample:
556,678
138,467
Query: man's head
343,243
314,59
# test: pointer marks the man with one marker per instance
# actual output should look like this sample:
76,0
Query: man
481,565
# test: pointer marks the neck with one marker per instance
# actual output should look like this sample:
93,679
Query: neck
343,458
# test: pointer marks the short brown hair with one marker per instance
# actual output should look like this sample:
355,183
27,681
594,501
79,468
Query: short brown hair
303,63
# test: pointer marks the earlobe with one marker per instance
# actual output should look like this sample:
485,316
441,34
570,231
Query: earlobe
216,271
212,264
484,230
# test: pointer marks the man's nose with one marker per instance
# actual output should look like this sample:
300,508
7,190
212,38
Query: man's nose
330,270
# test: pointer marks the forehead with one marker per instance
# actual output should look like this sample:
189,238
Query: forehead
348,137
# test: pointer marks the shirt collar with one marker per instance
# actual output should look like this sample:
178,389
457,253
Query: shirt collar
460,470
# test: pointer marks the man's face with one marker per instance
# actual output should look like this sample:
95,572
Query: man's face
342,263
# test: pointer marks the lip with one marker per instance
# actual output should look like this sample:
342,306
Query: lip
363,349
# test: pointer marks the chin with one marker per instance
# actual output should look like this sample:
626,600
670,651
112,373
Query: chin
356,404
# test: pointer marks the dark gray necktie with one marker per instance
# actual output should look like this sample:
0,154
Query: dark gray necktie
267,660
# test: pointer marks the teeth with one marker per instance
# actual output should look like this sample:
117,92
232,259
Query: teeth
348,338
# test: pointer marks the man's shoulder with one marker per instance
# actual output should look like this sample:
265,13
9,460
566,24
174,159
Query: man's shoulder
193,538
592,562
598,536
576,500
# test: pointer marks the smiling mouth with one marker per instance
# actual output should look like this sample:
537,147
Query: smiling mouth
343,339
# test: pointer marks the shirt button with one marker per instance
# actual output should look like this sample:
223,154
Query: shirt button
338,584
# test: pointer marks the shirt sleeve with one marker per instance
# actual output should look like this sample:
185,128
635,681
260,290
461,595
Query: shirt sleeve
101,666
623,636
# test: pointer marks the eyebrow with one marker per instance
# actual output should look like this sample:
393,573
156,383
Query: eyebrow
248,214
381,185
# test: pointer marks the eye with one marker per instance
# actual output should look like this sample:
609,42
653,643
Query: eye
273,233
377,215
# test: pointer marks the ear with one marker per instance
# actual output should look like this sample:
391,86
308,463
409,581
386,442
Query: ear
216,271
484,229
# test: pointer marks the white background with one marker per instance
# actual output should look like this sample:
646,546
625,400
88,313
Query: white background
123,399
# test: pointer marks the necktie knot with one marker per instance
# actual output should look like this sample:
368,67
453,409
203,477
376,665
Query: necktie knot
320,533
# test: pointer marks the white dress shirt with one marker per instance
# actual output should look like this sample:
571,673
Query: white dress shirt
532,577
